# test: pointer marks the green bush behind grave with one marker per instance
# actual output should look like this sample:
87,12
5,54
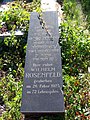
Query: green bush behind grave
12,48
86,10
85,5
77,98
75,44
74,40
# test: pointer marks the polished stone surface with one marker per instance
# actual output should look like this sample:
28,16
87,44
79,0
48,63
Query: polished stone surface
42,89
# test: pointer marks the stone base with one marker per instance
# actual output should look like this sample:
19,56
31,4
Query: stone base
49,116
31,118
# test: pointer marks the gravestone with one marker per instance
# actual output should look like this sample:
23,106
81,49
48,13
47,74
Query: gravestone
42,87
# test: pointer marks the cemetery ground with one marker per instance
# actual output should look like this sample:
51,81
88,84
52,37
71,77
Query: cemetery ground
75,44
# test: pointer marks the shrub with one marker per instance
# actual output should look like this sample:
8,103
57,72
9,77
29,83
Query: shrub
77,97
74,41
75,46
86,9
85,5
16,17
11,90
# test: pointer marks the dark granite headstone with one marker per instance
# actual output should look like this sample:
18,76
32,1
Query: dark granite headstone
42,90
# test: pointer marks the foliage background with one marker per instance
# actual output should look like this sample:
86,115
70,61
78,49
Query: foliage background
75,44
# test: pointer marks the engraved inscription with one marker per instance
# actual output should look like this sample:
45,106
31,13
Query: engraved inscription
43,75
43,88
